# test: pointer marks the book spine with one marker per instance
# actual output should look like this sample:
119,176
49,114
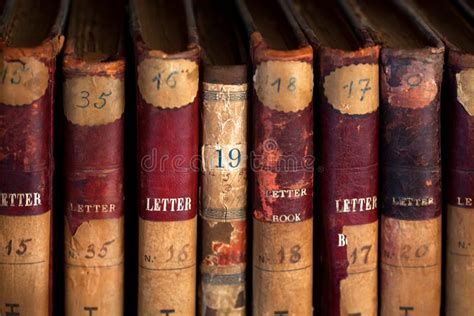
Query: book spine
94,102
460,185
282,166
26,165
224,190
349,121
168,122
411,183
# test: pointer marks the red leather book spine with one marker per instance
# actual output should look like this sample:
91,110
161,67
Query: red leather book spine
282,183
410,202
460,184
411,181
348,178
282,177
94,102
347,157
168,146
26,164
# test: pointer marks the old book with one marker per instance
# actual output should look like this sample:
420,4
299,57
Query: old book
411,71
94,101
458,104
167,70
347,152
282,165
224,112
30,39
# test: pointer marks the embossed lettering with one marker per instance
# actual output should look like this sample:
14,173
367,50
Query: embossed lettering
356,205
91,310
20,199
11,310
342,240
92,208
464,201
407,309
286,193
168,204
408,201
284,218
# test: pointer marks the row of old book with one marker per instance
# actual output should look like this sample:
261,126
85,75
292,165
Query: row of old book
222,91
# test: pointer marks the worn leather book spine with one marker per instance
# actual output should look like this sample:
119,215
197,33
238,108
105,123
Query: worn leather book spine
224,190
458,136
27,79
348,121
168,147
348,112
460,184
282,177
282,183
411,181
410,85
94,102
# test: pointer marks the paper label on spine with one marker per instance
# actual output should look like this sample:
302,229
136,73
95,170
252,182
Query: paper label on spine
93,100
283,268
460,261
224,179
284,86
167,267
24,264
353,89
359,289
411,266
168,83
465,90
94,258
410,83
22,81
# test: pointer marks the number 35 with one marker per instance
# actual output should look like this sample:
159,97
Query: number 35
102,100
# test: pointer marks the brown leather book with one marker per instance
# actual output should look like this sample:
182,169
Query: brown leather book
224,114
94,103
30,39
283,161
458,36
411,71
347,155
167,74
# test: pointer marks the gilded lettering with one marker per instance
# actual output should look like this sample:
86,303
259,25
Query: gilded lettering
168,204
356,204
20,199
